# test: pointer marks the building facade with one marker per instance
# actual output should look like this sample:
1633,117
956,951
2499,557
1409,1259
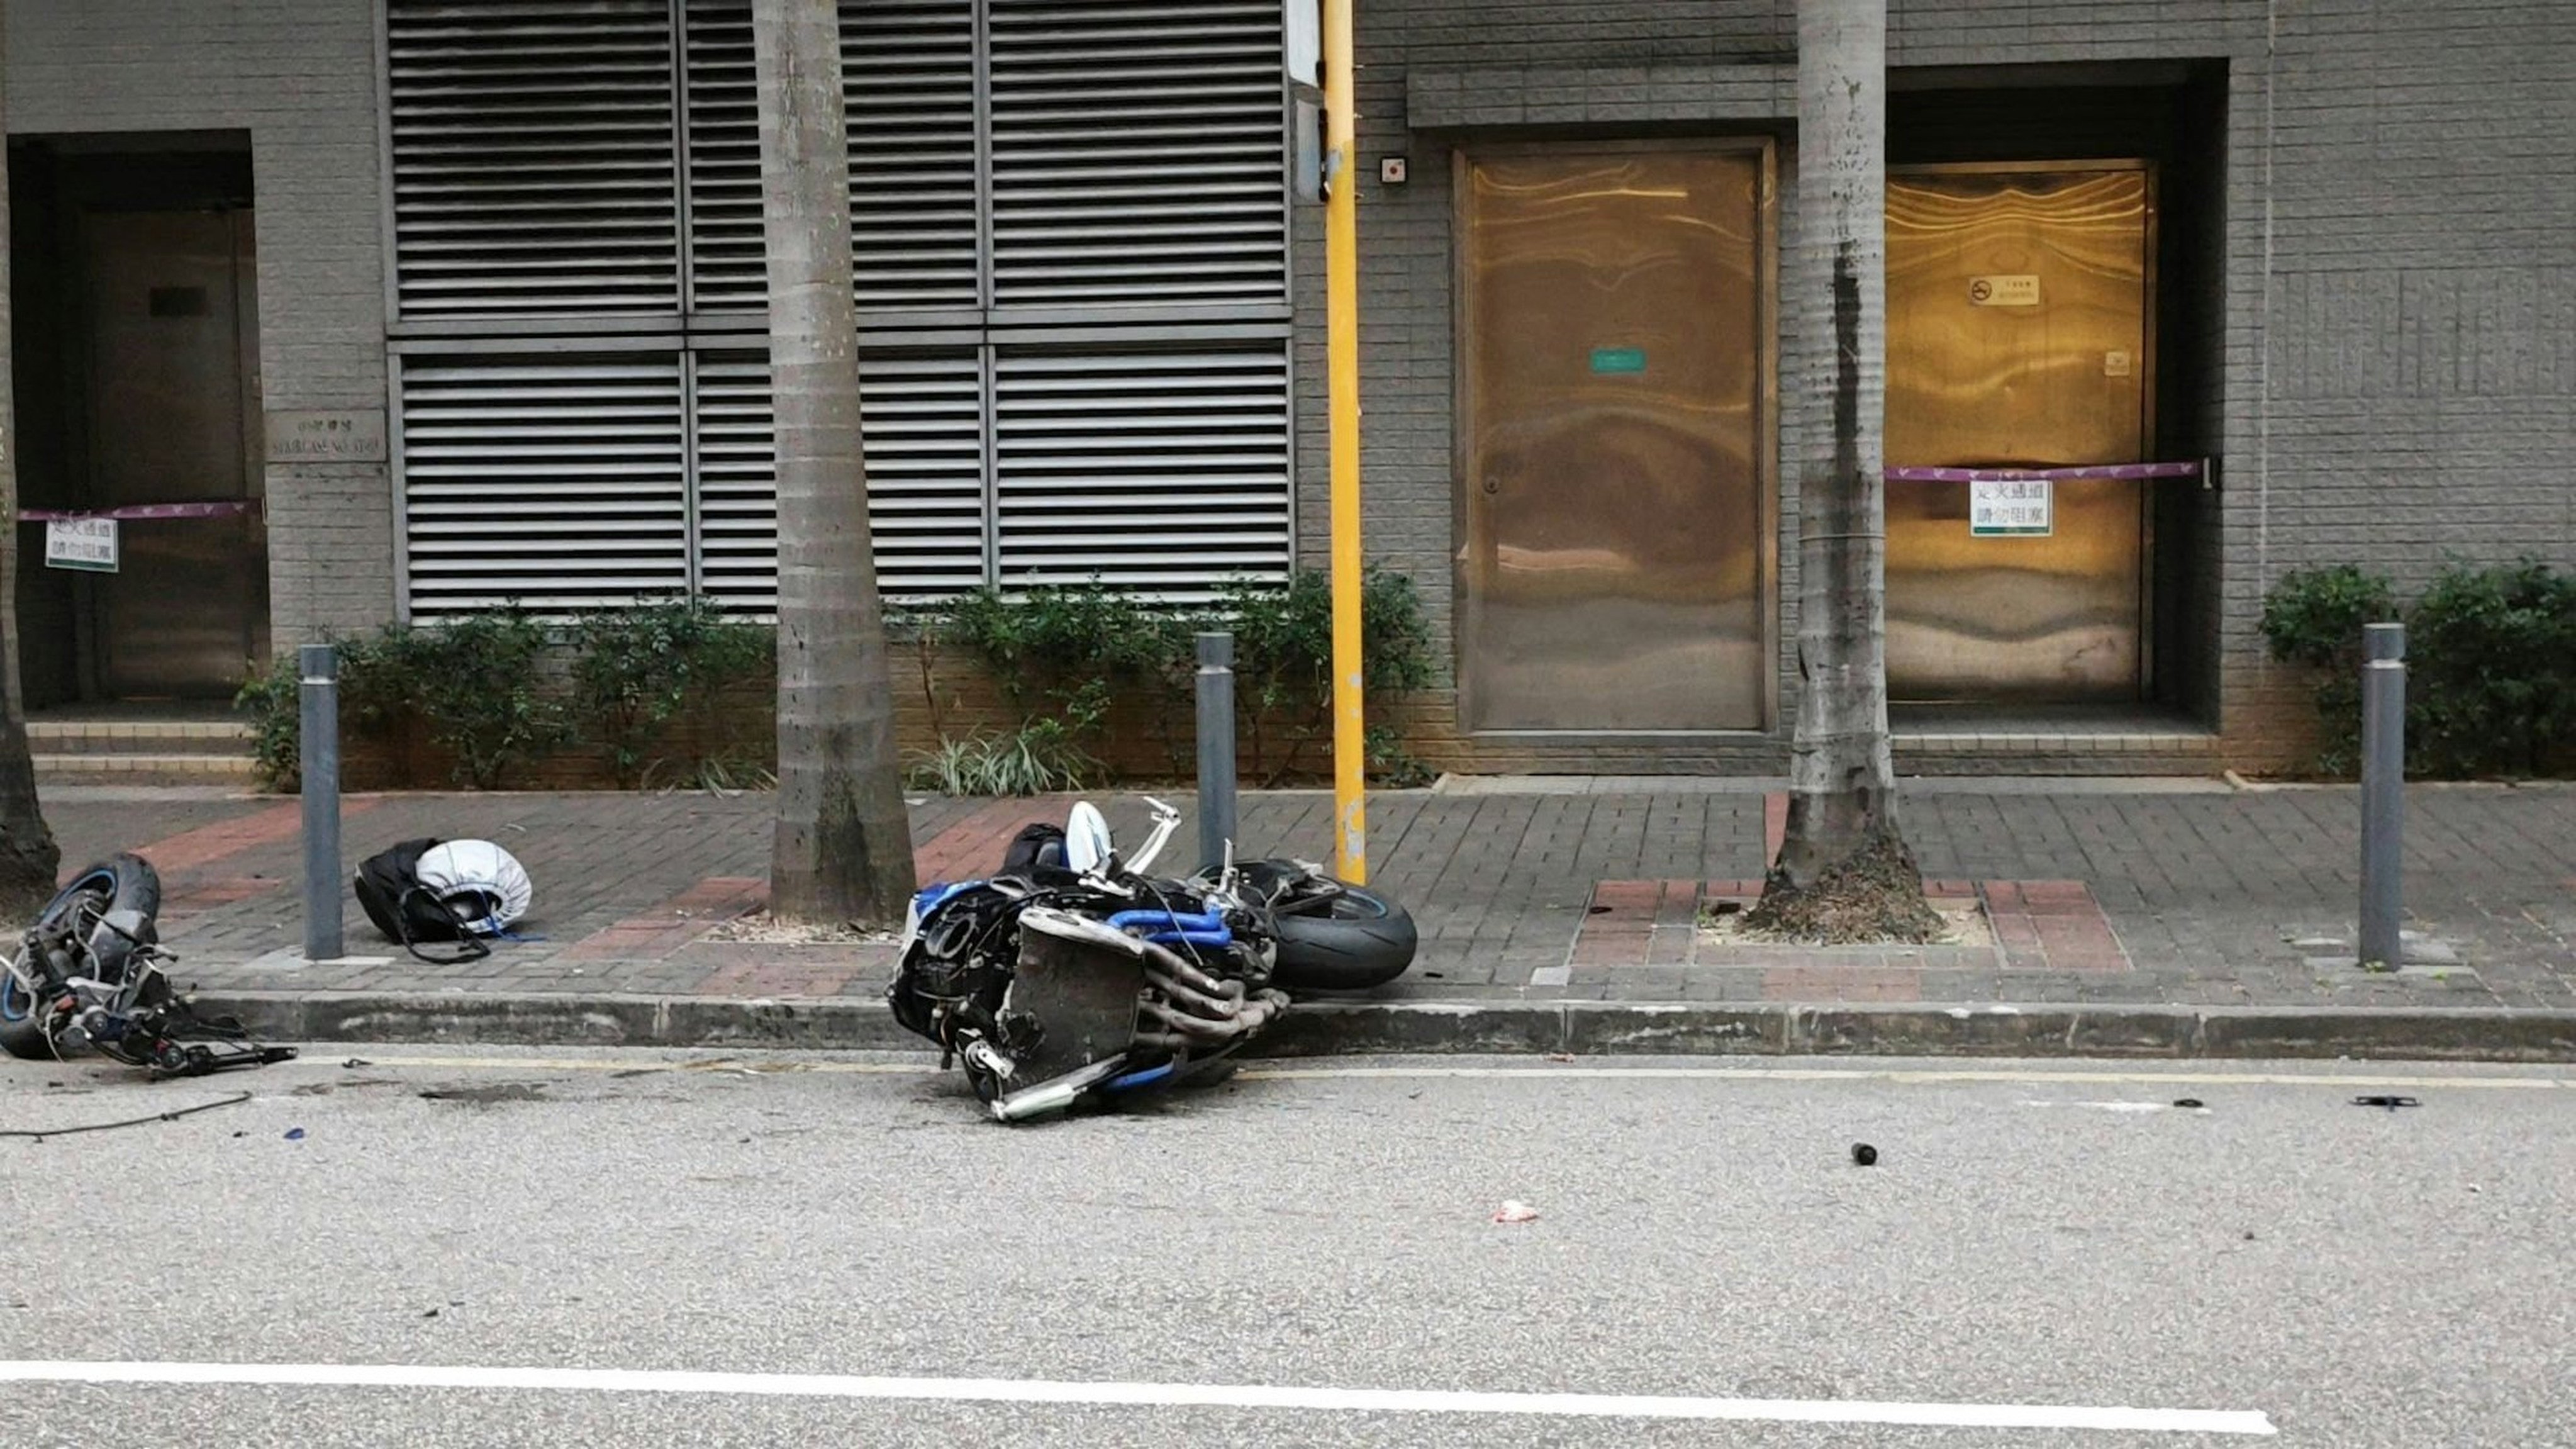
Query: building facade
424,305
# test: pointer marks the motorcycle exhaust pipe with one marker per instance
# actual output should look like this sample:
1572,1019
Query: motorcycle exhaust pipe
1172,965
1196,1027
1058,1094
1213,1008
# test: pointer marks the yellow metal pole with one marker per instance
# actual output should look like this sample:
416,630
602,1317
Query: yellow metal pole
1342,353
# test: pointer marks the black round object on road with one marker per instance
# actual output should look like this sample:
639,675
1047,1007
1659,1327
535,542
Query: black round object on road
1348,940
1864,1154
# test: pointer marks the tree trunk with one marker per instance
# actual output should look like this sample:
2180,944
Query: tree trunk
843,847
29,857
1842,836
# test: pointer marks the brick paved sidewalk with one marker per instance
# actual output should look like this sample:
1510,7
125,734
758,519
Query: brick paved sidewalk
2164,893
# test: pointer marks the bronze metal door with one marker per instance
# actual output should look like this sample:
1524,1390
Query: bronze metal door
1613,549
2017,336
174,418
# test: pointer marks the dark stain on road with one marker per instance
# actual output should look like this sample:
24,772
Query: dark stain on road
489,1094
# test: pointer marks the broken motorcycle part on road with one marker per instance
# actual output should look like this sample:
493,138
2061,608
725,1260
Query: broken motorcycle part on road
92,969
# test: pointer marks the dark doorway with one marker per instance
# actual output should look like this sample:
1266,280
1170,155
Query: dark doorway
136,318
2168,118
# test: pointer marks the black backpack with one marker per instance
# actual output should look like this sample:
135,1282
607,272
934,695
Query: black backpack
390,892
1037,847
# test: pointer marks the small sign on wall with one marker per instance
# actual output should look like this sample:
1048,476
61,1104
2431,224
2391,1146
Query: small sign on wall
326,435
2010,508
2016,291
87,544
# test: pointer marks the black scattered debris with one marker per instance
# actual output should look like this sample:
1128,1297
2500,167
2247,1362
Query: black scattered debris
433,1313
354,1063
2249,1237
36,1135
2391,1103
1864,1154
2188,1104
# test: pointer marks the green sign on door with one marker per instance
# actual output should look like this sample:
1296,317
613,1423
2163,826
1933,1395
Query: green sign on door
1616,361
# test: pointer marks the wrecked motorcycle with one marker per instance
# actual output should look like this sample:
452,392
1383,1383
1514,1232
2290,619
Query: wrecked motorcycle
1075,976
92,968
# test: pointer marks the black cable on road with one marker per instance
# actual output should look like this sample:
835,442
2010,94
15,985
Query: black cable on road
171,1116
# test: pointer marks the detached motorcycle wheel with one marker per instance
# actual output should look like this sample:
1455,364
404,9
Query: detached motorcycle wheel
20,1034
1350,940
120,882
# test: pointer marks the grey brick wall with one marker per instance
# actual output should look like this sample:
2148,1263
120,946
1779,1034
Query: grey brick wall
2407,386
2395,336
2393,331
300,77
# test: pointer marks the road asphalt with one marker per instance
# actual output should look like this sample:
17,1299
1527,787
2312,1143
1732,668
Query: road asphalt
489,1247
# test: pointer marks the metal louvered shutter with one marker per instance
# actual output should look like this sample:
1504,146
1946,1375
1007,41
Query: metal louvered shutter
1164,471
727,260
921,424
908,76
1138,152
553,481
1068,223
908,80
737,482
534,165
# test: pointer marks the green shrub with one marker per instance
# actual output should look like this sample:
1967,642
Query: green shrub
2491,663
1039,758
274,702
478,682
1064,653
1392,765
375,698
1283,658
637,670
2313,618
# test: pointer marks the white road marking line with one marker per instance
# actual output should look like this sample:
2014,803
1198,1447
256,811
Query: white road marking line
1912,1076
1901,1076
728,1066
1151,1395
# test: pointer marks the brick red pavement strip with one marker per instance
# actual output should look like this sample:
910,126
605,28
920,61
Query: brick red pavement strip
2193,901
971,846
674,923
1775,825
194,850
208,895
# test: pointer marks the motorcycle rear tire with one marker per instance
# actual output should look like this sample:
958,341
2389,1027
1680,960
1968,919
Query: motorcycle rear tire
1354,940
122,882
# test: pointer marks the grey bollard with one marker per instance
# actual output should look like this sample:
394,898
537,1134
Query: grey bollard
1216,747
2383,794
319,766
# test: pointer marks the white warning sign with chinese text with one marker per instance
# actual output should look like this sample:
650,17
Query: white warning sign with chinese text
2009,508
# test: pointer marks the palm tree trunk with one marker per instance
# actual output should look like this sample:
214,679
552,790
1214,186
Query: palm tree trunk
843,846
28,855
1842,829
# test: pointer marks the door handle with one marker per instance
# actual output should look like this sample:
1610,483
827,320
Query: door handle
1493,486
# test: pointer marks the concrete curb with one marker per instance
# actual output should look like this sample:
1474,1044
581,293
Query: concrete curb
1585,1028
